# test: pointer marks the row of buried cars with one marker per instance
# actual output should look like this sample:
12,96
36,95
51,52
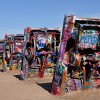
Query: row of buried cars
34,52
70,56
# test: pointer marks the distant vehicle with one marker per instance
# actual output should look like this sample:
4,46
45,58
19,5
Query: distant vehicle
13,49
2,54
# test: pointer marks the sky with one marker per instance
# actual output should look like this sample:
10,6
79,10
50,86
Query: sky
16,15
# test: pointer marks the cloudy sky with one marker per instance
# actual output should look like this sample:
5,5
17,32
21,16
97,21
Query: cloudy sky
15,15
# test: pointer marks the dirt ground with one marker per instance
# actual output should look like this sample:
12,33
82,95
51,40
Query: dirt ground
11,88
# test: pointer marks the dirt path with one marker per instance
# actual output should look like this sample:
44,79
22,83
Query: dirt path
11,88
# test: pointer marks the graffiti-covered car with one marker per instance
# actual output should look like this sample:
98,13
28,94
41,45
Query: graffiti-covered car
2,55
77,61
40,51
14,47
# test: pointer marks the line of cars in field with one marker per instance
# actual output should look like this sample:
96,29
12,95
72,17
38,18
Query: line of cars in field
62,54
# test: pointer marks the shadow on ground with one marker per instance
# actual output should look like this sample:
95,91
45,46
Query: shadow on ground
18,77
46,86
0,70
